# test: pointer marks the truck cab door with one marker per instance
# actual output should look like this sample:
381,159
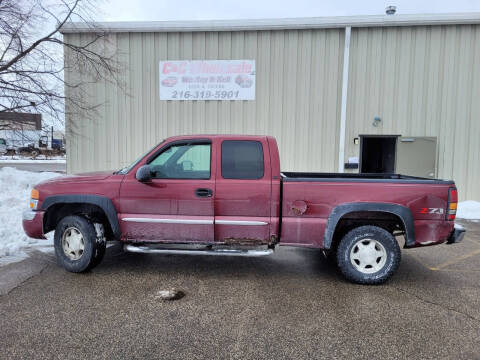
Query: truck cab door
243,191
177,204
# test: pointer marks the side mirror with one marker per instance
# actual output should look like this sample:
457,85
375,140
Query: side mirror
144,174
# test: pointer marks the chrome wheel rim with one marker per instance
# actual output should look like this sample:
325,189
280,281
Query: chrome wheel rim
368,256
73,243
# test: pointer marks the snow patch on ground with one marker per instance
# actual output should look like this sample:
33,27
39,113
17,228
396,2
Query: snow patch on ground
32,161
15,188
469,210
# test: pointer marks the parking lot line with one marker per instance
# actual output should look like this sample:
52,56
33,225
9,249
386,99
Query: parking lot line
455,260
471,241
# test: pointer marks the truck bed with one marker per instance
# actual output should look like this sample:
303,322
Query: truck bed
356,177
314,197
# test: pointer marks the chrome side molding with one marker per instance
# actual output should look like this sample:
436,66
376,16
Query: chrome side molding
194,221
240,222
170,221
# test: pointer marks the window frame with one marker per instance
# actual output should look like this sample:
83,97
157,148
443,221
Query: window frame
242,140
183,143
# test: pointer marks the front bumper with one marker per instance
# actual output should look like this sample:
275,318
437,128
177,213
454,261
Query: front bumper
457,234
32,222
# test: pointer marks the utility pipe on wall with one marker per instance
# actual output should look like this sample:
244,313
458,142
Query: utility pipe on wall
343,109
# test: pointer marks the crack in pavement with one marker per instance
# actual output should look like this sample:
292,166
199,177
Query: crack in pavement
15,275
20,284
442,306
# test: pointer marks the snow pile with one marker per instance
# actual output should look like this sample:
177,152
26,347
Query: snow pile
15,188
31,161
469,210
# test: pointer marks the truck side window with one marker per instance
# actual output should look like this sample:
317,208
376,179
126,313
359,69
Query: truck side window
242,159
184,161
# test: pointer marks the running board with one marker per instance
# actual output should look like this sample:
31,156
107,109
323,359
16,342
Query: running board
216,252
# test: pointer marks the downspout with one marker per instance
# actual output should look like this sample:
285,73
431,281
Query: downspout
343,109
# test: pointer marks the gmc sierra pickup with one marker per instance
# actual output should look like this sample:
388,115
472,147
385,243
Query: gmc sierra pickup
225,195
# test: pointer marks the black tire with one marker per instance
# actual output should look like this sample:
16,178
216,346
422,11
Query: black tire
92,251
361,237
99,254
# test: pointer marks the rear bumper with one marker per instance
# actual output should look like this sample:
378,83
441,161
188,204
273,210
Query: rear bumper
32,222
457,235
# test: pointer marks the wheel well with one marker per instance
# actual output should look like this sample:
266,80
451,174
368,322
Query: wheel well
388,221
57,212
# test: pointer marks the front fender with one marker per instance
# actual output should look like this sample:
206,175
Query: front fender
103,202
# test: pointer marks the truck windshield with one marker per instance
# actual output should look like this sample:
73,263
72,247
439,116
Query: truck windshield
127,169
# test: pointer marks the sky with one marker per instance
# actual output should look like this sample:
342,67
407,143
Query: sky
157,10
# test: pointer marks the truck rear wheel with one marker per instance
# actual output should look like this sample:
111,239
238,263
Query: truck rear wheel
76,245
368,255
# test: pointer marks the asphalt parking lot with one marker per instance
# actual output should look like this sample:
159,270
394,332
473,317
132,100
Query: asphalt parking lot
292,304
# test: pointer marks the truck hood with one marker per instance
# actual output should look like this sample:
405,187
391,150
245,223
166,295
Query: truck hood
90,176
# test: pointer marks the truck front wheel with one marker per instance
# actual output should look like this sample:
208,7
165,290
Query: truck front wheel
76,245
368,255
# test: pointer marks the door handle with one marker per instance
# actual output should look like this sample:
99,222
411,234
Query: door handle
203,192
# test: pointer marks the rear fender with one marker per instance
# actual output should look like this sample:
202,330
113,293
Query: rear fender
340,211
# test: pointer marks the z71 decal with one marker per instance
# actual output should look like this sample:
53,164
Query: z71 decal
431,211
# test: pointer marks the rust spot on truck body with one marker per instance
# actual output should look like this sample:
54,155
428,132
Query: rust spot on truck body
244,241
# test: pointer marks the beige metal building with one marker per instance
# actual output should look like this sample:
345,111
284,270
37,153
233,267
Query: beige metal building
373,94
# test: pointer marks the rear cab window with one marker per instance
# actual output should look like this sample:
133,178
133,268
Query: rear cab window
242,159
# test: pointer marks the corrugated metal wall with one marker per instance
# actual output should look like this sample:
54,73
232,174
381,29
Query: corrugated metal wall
297,97
421,81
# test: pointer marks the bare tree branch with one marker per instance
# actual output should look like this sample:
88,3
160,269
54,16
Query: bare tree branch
25,52
31,62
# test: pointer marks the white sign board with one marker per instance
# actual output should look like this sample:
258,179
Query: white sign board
207,80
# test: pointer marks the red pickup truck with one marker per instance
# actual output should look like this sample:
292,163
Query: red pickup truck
225,195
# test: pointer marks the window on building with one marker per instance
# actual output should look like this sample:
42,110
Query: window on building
183,161
242,159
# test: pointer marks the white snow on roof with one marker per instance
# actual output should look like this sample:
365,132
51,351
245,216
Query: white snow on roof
273,24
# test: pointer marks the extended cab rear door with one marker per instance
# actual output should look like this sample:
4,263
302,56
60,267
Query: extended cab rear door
242,190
